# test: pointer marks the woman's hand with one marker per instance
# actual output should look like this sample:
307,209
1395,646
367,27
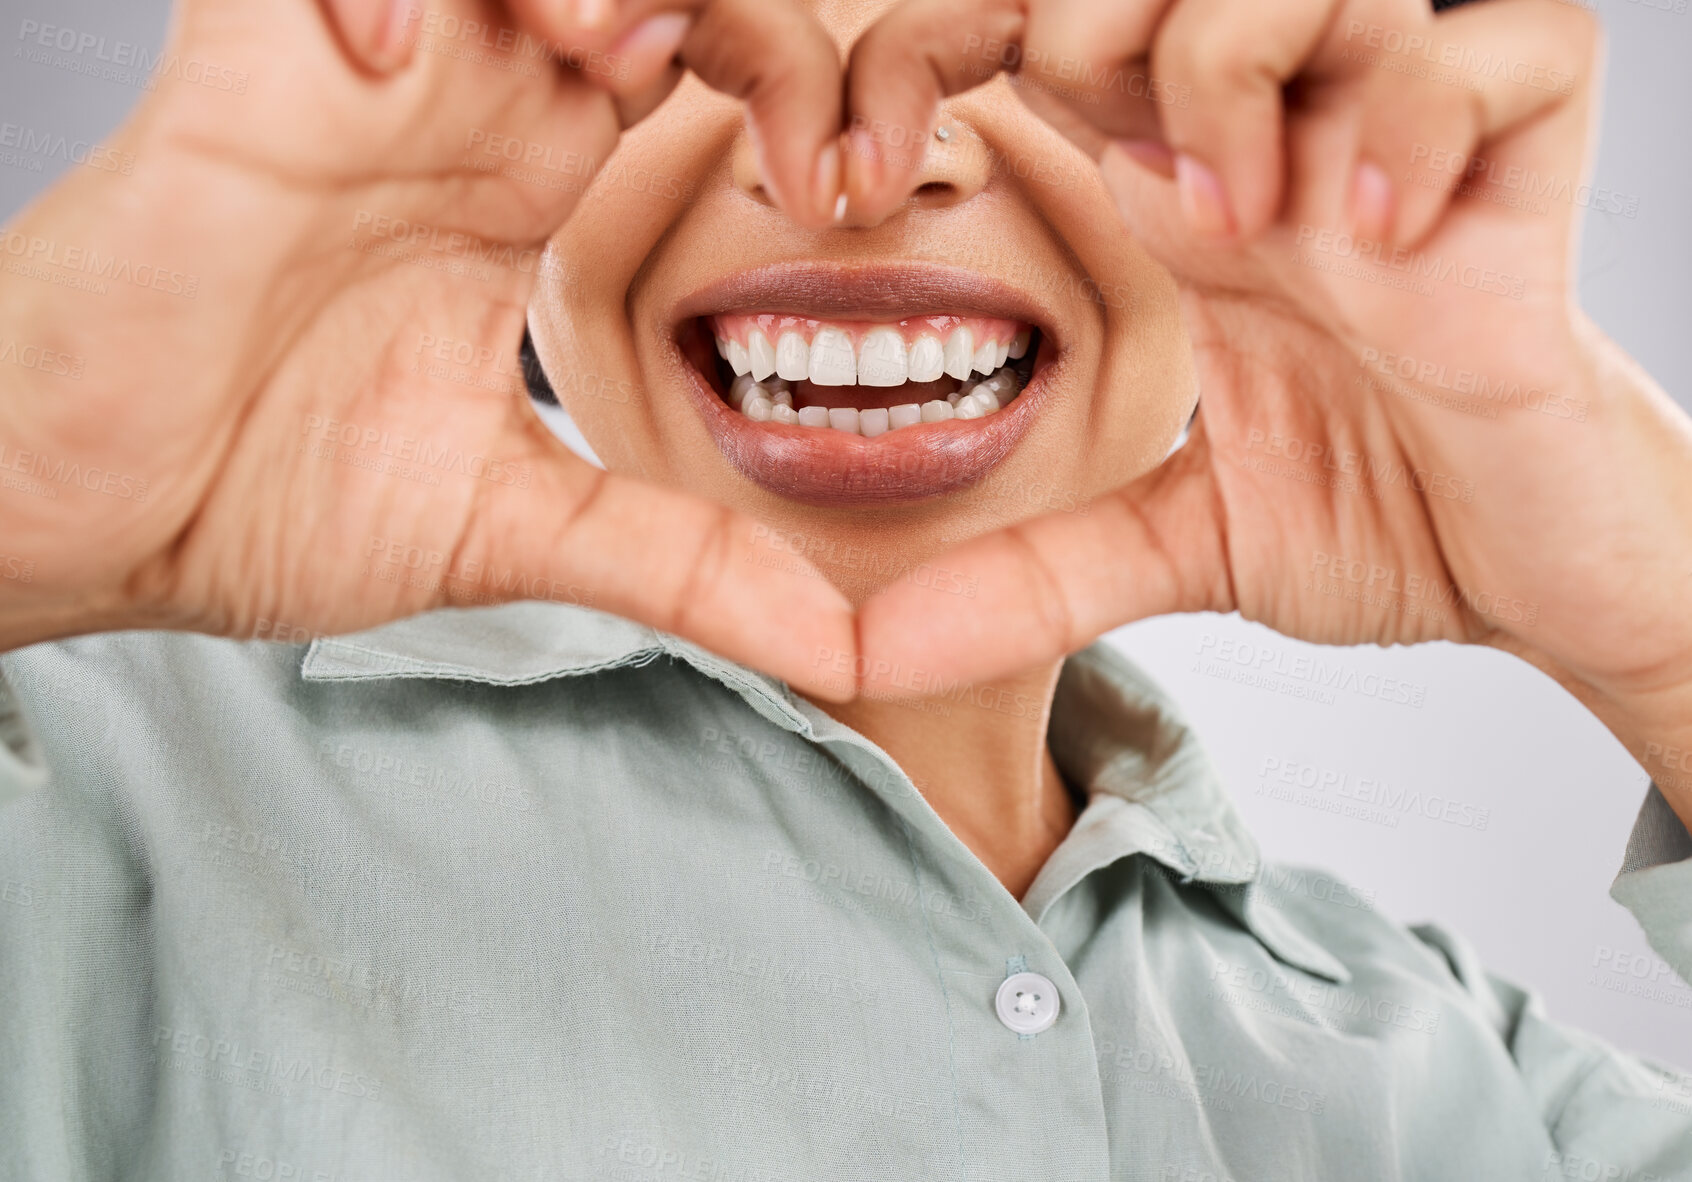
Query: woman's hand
291,403
1407,431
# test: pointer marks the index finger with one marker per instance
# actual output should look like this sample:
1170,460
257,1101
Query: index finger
771,54
926,50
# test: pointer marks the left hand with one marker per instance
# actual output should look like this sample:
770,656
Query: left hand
1344,303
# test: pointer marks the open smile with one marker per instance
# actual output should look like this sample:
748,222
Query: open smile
861,386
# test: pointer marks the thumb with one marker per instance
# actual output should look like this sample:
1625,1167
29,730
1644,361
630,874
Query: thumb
577,534
1042,589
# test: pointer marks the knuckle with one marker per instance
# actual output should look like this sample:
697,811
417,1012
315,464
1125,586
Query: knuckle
1215,60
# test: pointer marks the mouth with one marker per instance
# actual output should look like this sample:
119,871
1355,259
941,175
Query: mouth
865,386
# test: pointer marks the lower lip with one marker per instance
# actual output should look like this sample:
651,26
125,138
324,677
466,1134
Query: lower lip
831,469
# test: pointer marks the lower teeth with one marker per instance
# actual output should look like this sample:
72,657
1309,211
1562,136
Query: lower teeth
771,401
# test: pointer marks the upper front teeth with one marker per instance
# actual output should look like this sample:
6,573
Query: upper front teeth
881,359
793,357
833,362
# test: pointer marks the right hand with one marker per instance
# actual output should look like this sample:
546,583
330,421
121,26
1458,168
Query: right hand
280,207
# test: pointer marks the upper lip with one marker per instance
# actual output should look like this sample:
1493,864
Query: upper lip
858,291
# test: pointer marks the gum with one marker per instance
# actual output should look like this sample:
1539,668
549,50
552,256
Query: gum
738,327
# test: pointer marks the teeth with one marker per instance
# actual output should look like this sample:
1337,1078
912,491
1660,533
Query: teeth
928,359
738,391
739,360
793,357
908,415
761,354
762,391
960,353
881,359
832,359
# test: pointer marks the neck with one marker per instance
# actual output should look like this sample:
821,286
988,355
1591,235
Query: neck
981,762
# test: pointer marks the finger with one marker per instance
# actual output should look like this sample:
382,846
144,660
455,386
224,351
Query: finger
1503,91
900,69
772,54
372,32
776,57
1050,586
1076,62
664,559
1234,59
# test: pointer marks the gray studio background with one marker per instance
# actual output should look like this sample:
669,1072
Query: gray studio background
1558,793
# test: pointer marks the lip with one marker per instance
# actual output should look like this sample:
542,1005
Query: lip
834,469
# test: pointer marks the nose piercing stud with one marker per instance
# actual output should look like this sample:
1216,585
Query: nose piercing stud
943,134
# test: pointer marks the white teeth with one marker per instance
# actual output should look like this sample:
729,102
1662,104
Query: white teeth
763,391
843,418
908,415
739,389
881,359
739,360
960,353
832,360
928,359
793,357
761,354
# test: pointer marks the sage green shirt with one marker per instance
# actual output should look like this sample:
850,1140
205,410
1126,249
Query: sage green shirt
530,894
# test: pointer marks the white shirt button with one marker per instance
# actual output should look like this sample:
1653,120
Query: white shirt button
1027,1003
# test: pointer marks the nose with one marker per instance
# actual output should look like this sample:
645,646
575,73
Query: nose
956,165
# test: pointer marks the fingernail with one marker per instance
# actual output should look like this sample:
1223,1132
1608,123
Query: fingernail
867,170
1203,199
827,199
1151,154
388,50
649,48
1371,201
591,14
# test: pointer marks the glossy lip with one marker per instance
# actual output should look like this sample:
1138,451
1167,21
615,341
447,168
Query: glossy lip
832,468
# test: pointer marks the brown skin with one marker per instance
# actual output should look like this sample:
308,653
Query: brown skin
1590,523
985,770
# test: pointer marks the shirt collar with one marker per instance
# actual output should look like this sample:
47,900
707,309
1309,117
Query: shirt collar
1114,733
